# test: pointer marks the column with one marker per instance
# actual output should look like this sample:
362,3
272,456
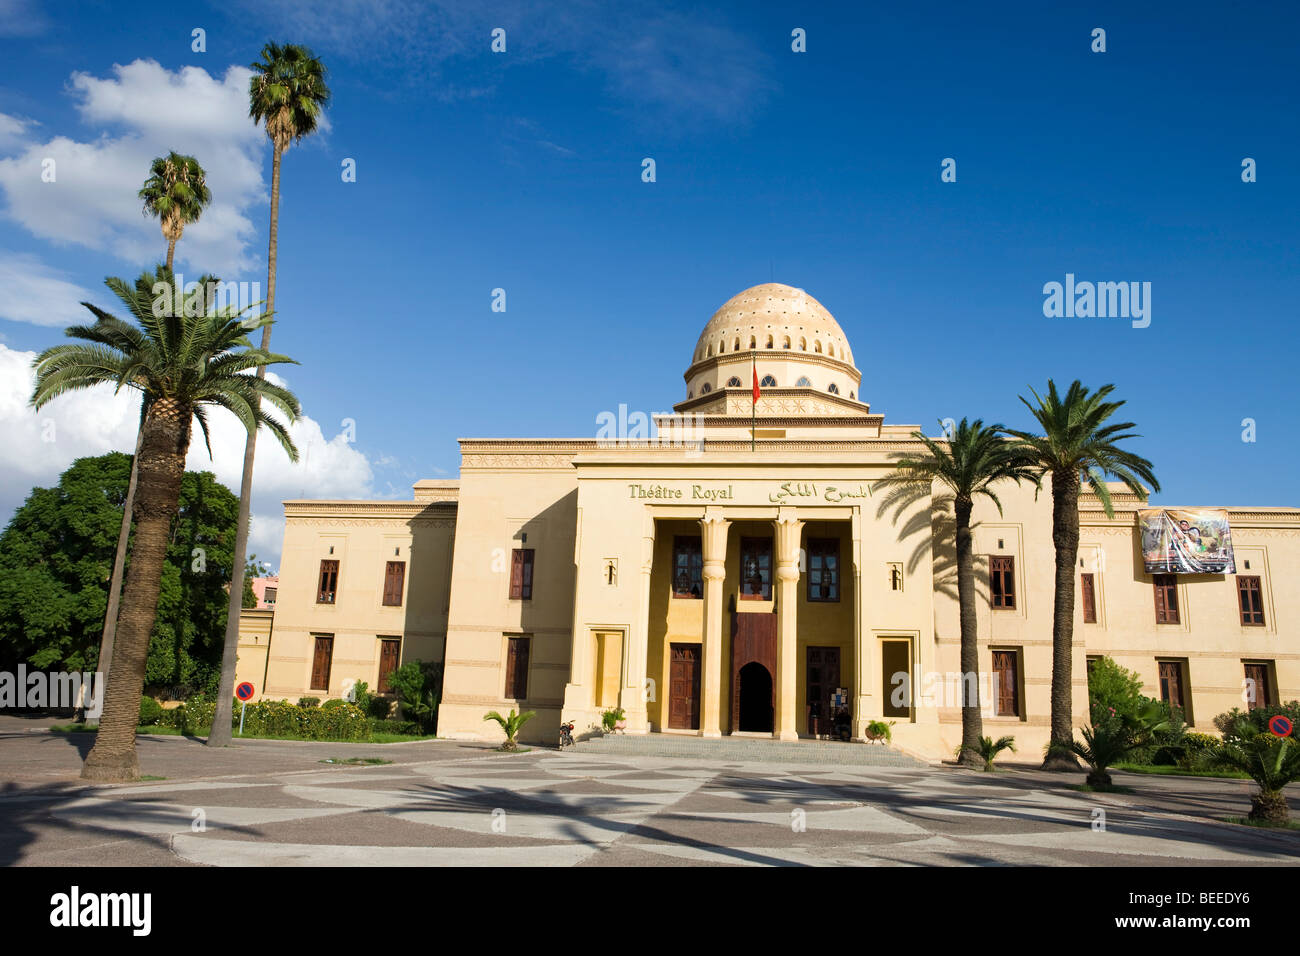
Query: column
862,643
789,530
713,534
635,650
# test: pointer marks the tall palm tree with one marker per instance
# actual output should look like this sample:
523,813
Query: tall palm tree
287,95
182,365
1077,447
206,283
176,193
968,464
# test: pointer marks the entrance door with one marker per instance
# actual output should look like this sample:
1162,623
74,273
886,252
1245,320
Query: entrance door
896,671
320,664
755,698
390,650
823,676
684,687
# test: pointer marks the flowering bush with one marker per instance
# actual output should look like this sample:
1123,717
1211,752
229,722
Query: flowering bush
275,718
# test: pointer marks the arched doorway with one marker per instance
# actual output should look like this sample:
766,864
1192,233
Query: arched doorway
755,698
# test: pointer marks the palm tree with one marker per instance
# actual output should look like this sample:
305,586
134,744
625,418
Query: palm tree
181,364
990,748
286,94
175,193
1077,447
1115,736
511,725
1271,761
968,464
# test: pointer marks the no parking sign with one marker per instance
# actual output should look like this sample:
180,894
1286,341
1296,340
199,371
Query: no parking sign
244,691
1280,726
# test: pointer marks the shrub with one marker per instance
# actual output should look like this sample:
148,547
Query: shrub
308,701
610,717
1272,762
379,707
361,696
878,729
418,686
408,727
1195,751
511,725
1115,737
1243,724
334,702
1112,690
150,711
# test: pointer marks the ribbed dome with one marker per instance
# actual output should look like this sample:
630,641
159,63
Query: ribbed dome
789,317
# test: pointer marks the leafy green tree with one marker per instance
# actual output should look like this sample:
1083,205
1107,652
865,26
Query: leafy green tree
967,466
287,95
183,364
418,686
1113,690
252,569
1077,447
55,557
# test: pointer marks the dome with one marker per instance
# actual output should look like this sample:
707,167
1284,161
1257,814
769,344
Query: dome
790,317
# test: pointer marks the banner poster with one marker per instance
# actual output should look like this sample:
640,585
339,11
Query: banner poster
1186,541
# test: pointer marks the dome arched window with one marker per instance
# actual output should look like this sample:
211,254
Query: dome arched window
804,382
803,344
768,382
735,346
706,388
722,346
817,347
830,350
832,388
785,344
733,382
753,342
770,342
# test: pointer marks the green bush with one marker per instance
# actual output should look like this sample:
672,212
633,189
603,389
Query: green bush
418,686
335,702
1113,691
408,727
610,717
150,712
308,701
192,717
361,696
379,707
1252,722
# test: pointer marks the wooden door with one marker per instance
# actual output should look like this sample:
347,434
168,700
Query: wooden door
1258,673
390,652
1171,684
684,687
822,673
320,665
1008,683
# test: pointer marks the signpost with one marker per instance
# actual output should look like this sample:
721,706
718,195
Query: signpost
1280,726
245,693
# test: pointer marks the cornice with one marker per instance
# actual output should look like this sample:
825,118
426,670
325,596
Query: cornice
751,355
335,509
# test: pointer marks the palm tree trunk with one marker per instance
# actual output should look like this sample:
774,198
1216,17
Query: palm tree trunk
119,562
165,440
171,253
221,720
972,725
1065,536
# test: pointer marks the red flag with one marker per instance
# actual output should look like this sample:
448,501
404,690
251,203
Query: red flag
756,391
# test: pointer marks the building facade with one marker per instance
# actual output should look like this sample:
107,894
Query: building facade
741,573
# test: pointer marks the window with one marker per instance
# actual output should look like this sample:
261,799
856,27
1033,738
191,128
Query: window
688,567
1002,581
1166,588
833,388
1259,691
1088,596
705,388
733,382
755,569
329,581
390,655
785,342
768,382
268,596
517,668
1172,684
1006,682
521,574
322,661
394,576
803,382
823,569
1250,597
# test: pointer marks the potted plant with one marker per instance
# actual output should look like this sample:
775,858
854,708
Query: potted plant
878,731
613,720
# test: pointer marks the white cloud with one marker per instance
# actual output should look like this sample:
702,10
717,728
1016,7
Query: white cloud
35,447
35,293
12,129
144,111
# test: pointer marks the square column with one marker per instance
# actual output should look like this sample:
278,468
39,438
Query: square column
789,530
635,691
713,535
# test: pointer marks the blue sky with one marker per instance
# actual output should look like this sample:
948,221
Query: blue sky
522,171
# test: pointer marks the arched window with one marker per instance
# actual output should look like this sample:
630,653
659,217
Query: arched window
832,388
722,346
710,350
803,344
803,382
770,341
689,394
735,347
753,342
852,396
706,388
830,350
785,344
733,382
817,346
768,382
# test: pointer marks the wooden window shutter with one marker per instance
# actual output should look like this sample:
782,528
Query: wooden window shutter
521,574
394,578
1002,581
1250,599
329,579
1006,674
1166,599
1088,592
517,668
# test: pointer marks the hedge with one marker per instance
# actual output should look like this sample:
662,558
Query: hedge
276,718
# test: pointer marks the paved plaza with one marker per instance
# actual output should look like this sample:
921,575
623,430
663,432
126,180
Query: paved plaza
446,803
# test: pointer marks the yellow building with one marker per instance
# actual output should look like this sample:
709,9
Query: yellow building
736,574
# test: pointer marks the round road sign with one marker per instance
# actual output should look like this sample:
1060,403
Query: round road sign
1280,726
245,691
